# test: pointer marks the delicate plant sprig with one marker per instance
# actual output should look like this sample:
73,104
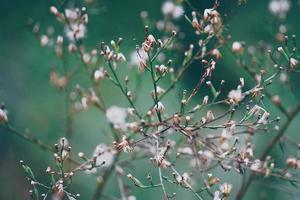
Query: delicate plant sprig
206,136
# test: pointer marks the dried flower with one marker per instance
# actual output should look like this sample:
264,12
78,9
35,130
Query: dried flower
148,43
210,115
176,119
256,165
142,65
205,100
216,53
137,57
72,48
75,31
72,14
293,162
99,74
159,107
293,63
151,39
264,118
57,80
162,69
237,47
225,189
104,156
235,96
123,145
121,58
212,180
159,91
185,151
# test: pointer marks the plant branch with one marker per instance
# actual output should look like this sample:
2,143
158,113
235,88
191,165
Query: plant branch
241,193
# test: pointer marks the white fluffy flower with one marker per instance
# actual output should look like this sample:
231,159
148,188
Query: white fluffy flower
159,91
279,7
99,74
237,47
217,195
117,116
104,158
104,154
72,14
44,40
283,77
131,197
185,150
75,31
225,188
206,156
207,13
169,9
256,165
293,63
159,107
264,118
236,95
178,12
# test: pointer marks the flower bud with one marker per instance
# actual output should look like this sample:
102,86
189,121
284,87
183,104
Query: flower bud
54,10
3,116
293,63
237,47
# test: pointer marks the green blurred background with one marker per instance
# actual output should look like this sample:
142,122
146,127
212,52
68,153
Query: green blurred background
33,103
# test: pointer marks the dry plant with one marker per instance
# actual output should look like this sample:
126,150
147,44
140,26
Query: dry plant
200,134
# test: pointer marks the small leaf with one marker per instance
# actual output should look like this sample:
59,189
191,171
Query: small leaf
36,193
214,91
136,181
28,171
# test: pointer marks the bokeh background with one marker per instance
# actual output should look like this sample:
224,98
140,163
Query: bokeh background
33,103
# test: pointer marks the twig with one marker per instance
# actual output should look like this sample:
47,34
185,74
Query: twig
241,193
32,139
118,83
105,176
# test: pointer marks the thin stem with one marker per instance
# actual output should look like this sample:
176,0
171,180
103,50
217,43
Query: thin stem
32,139
160,174
103,182
68,113
101,106
241,193
121,186
118,83
155,88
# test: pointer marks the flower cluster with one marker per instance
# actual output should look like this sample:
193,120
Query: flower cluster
214,133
